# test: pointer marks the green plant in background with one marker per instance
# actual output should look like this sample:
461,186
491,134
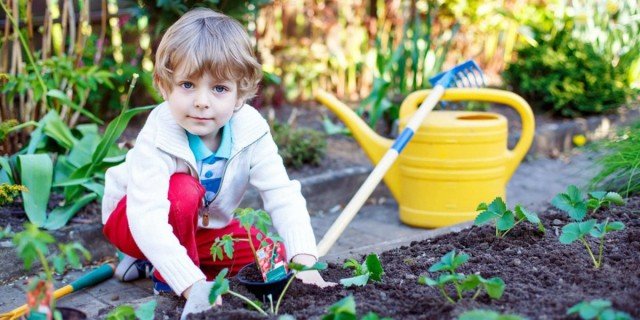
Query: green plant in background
505,220
370,269
145,311
299,146
487,315
598,309
345,309
577,66
461,283
407,67
73,160
620,163
32,244
577,208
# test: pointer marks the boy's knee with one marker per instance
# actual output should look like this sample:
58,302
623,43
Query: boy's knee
183,188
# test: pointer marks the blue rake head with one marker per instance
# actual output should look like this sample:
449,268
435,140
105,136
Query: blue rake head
464,75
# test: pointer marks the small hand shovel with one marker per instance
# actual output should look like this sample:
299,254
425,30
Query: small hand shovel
467,74
94,277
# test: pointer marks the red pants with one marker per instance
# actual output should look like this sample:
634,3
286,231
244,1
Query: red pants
185,195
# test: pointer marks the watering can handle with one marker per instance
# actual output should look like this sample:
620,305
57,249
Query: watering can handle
510,99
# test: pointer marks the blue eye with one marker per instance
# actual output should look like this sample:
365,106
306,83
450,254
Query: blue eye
219,89
187,85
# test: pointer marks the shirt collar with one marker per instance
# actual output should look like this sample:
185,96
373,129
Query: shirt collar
200,150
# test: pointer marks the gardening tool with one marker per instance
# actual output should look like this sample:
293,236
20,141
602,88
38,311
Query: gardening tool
94,277
456,160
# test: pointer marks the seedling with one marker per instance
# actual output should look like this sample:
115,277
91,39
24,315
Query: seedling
248,218
505,220
32,245
579,230
449,263
488,315
145,311
221,287
370,269
573,203
345,309
598,309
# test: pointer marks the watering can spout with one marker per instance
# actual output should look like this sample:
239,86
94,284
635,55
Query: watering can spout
372,143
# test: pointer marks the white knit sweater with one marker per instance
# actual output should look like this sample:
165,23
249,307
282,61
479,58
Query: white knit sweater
162,149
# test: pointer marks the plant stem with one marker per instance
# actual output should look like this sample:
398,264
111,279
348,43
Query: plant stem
475,295
514,225
444,293
251,303
600,251
283,292
595,263
458,290
23,125
45,265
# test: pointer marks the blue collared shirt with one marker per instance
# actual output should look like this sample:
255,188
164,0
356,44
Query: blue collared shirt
211,164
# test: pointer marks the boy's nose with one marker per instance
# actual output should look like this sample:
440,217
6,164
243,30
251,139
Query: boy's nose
201,100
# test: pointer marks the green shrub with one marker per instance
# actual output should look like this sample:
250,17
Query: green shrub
620,165
567,77
299,146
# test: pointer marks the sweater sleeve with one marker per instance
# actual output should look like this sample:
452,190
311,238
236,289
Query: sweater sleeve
148,214
282,198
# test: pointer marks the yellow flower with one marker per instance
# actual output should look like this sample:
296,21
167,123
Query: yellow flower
579,140
612,7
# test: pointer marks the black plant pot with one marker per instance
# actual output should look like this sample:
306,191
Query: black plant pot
262,289
72,314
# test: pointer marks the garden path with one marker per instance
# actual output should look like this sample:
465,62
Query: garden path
376,228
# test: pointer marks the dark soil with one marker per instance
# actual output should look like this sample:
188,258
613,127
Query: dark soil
543,277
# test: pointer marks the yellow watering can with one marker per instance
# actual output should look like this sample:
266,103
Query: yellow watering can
455,160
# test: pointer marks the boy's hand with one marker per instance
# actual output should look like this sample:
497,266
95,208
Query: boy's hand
312,276
198,299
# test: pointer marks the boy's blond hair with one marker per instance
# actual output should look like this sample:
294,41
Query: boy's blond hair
203,40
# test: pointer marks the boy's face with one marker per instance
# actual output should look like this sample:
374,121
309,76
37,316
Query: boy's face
202,105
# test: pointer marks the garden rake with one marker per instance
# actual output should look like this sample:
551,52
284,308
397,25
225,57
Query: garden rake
467,74
93,277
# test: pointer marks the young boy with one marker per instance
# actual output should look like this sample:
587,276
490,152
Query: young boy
193,161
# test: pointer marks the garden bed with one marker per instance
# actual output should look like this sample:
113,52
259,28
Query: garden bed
543,277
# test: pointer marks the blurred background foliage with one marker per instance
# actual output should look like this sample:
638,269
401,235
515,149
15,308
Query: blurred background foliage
77,56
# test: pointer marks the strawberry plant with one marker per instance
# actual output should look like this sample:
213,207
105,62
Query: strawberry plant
487,315
579,230
505,220
598,309
461,283
370,269
221,287
573,203
145,311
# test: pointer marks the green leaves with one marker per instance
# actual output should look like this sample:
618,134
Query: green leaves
345,309
220,286
461,283
505,219
370,269
576,207
220,245
487,315
36,173
597,309
297,267
576,230
145,311
450,262
32,244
